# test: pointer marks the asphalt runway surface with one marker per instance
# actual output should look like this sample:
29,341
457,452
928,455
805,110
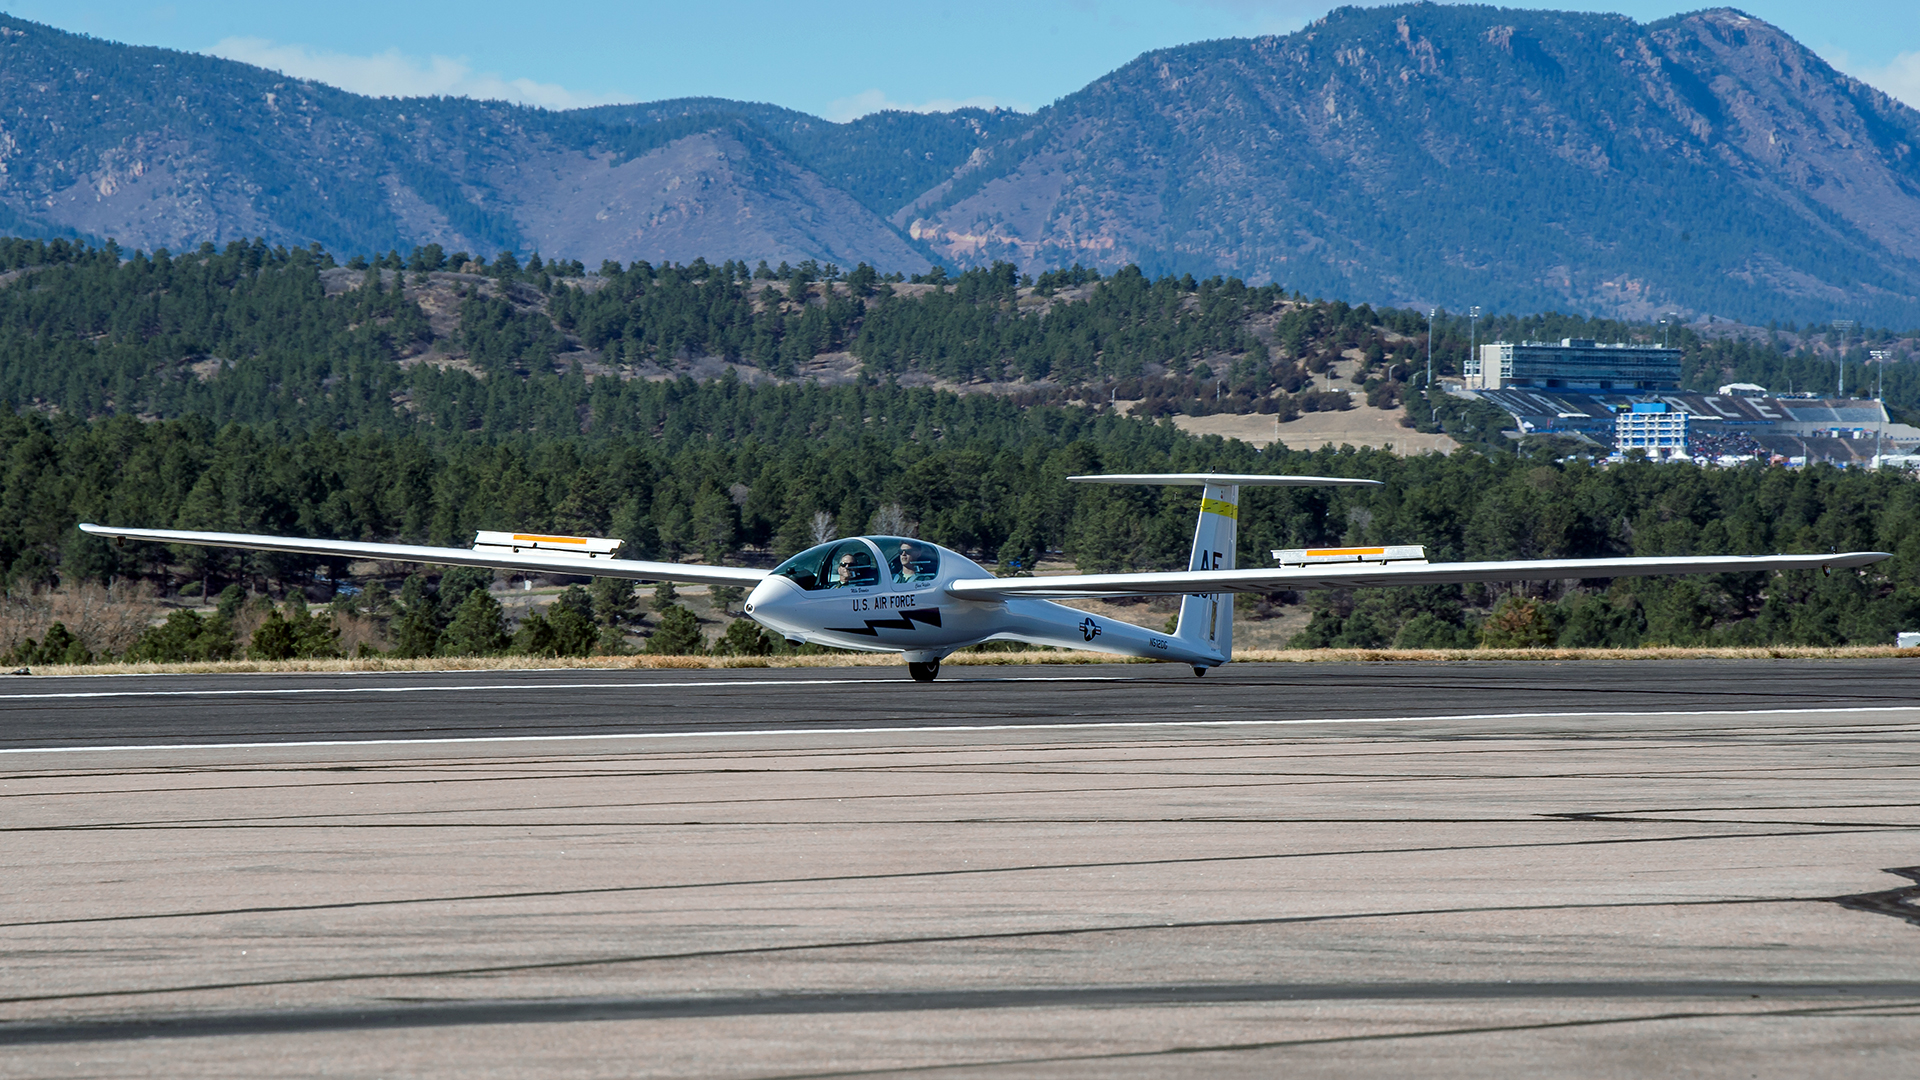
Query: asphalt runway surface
118,710
1560,869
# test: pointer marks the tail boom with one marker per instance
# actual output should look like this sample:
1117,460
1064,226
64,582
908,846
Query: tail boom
1043,622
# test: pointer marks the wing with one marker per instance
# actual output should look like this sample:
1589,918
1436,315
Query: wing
1369,575
528,560
1235,479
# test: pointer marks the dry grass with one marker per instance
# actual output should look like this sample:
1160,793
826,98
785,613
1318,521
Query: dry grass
990,659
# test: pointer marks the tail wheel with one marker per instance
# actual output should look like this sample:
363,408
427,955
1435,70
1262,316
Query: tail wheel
923,672
1198,671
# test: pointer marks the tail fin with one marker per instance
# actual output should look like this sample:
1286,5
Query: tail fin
1206,619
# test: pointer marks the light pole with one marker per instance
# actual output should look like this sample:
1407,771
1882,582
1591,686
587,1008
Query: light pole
1473,334
1431,312
1434,419
1879,357
1845,328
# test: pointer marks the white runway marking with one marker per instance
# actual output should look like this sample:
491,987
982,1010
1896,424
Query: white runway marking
291,691
1051,726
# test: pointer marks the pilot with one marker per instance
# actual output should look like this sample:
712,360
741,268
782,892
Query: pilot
911,566
843,572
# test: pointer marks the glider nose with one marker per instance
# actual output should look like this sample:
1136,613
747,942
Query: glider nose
772,600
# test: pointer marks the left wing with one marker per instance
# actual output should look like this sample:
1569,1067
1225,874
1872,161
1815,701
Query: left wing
530,559
1369,575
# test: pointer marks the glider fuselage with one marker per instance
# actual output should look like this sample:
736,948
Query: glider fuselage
872,603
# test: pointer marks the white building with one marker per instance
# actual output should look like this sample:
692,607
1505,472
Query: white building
1652,427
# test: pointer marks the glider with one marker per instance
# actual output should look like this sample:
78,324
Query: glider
903,595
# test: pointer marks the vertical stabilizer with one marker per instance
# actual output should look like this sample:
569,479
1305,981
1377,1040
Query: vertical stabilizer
1206,619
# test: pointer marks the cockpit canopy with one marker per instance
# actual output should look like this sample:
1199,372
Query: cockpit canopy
863,562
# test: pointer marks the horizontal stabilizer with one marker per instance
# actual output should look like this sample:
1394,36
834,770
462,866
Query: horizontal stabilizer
1351,575
539,560
1224,479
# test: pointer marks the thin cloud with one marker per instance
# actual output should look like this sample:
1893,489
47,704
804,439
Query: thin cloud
1900,79
1261,17
841,110
395,74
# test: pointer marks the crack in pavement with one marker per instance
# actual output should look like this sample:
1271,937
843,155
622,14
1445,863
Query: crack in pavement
576,1009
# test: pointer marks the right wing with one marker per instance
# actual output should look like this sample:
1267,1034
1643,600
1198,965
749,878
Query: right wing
532,561
1371,575
1223,479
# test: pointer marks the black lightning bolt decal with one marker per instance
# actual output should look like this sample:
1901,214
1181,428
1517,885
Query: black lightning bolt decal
931,616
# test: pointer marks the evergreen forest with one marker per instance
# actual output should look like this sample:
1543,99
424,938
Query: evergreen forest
417,399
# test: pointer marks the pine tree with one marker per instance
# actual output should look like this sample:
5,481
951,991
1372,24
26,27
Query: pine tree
744,637
534,636
678,634
571,618
478,627
273,640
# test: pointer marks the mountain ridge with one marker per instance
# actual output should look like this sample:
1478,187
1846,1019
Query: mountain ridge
1358,190
1414,155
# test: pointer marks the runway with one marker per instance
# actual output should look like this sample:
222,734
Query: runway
1565,869
162,710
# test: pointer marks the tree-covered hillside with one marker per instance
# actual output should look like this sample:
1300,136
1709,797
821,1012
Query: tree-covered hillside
446,342
254,388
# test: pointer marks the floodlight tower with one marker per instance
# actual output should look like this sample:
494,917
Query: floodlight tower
1473,333
1879,358
1431,312
1845,328
1434,417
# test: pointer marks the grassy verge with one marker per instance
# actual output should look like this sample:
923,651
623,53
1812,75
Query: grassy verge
992,659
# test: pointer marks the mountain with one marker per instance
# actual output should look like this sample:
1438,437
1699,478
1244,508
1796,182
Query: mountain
1414,155
161,148
1519,160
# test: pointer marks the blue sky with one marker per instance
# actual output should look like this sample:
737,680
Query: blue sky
833,60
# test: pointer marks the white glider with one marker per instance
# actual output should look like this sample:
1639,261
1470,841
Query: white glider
898,594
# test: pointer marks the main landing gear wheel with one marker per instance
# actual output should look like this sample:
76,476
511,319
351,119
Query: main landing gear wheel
923,672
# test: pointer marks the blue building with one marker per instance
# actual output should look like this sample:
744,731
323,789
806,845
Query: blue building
1651,427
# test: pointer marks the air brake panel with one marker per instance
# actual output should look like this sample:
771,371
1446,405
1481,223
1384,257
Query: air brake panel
1408,553
586,547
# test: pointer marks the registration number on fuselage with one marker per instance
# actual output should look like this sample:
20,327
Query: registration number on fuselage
886,602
